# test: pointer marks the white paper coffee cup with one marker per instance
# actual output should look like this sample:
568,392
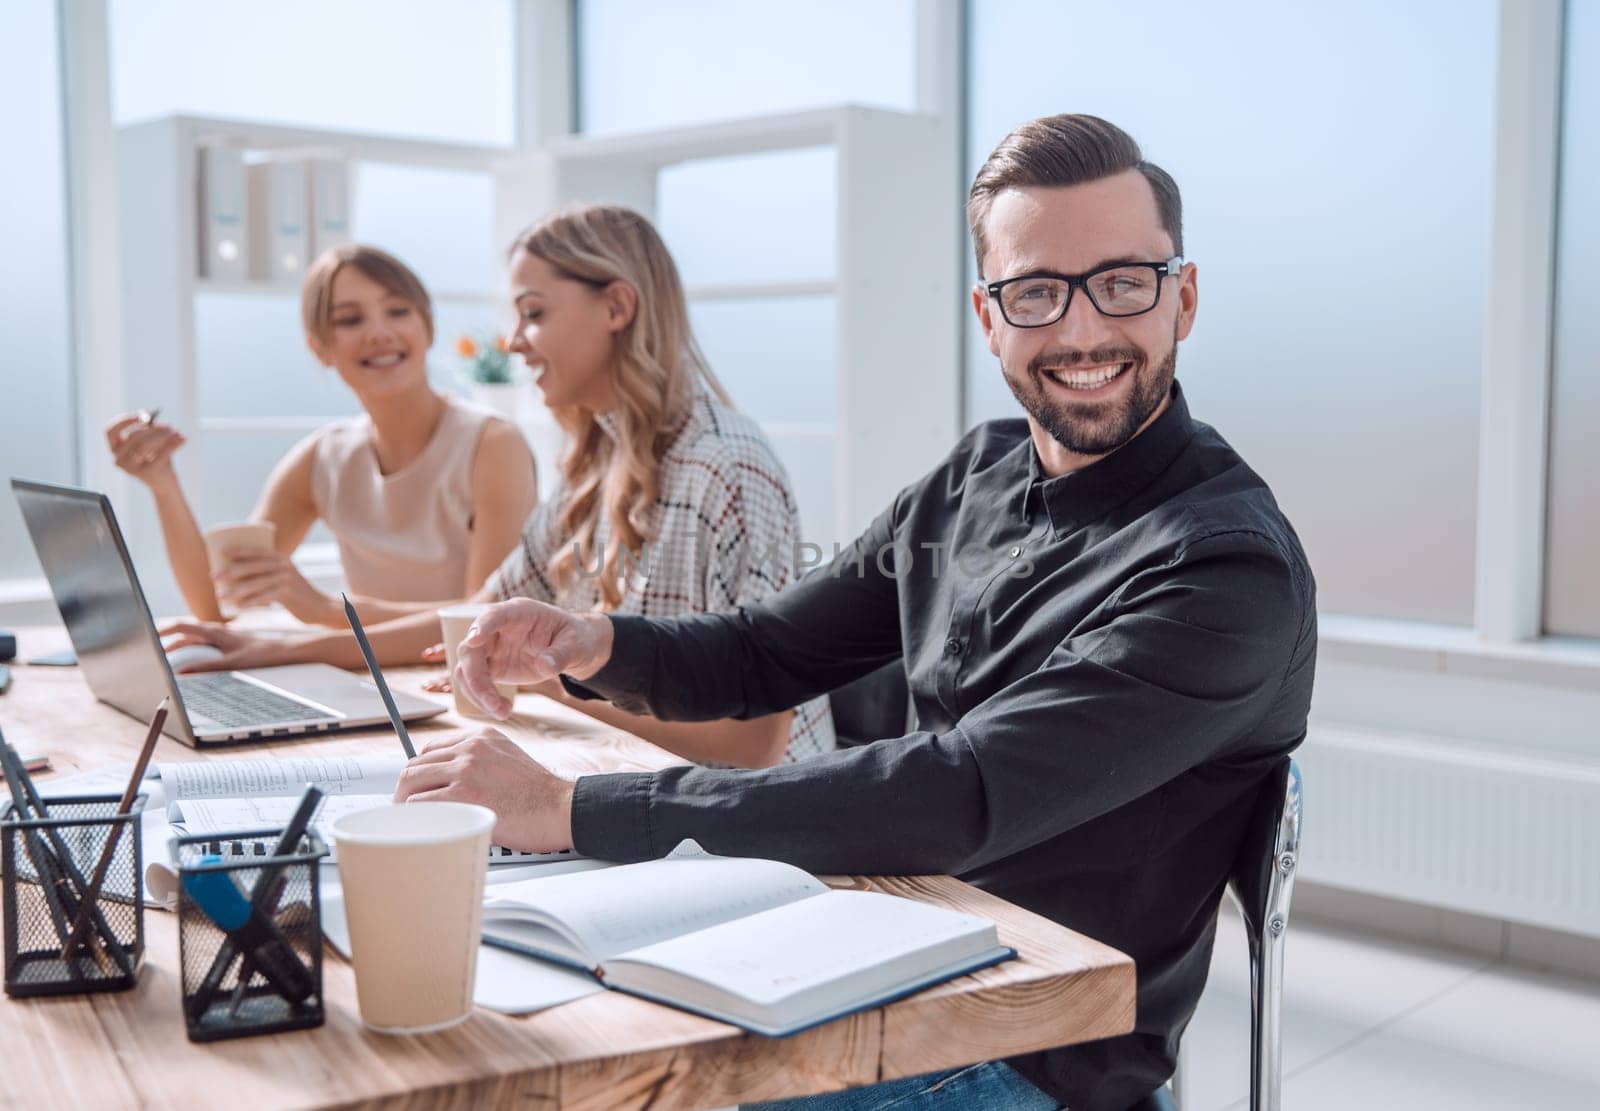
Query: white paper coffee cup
237,536
454,623
413,875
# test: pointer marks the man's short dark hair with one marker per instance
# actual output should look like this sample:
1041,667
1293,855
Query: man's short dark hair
1067,150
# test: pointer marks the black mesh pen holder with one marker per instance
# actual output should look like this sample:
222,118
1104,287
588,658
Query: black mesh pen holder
49,867
249,934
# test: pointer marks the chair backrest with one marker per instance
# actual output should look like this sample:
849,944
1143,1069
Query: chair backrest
1261,882
1263,872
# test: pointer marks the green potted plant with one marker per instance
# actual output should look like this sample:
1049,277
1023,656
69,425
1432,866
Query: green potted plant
491,373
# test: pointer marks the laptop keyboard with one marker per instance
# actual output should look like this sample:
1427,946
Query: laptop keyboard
234,703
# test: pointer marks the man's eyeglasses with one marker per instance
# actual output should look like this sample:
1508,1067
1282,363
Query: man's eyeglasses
1122,289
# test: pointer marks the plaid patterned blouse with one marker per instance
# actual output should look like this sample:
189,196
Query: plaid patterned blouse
726,532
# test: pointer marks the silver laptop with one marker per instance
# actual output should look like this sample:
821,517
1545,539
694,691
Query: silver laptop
83,555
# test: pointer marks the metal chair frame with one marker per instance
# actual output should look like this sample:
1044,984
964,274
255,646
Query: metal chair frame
1261,885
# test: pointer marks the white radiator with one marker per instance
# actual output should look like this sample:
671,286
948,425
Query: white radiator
1443,824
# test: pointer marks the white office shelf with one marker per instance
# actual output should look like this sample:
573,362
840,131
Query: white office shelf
228,287
759,291
236,286
305,142
651,150
262,424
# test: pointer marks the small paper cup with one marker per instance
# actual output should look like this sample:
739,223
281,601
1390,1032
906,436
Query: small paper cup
413,875
454,624
239,536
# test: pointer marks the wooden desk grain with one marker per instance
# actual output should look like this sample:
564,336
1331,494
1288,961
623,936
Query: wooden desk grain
604,1051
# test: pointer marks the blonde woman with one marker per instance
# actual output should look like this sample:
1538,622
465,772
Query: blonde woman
423,494
668,500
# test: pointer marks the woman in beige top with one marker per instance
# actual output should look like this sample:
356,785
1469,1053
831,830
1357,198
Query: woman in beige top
424,495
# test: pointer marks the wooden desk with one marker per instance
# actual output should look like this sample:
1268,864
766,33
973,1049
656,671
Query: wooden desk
604,1051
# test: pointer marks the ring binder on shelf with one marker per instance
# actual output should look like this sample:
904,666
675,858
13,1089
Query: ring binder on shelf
224,242
280,240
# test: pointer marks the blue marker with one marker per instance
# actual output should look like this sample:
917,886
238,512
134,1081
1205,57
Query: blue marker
250,932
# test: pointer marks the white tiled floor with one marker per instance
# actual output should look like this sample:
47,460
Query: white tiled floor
1372,1023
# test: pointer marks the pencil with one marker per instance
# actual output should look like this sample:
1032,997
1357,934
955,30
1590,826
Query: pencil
378,679
124,805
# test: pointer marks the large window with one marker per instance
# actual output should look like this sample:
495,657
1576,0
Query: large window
643,64
405,67
37,414
1335,164
1572,601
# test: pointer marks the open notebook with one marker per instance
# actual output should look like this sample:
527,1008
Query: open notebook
221,796
756,943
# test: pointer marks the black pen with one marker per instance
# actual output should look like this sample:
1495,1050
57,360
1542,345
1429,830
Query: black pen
48,880
36,850
377,678
247,969
73,884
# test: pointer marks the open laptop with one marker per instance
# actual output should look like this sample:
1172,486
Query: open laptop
83,555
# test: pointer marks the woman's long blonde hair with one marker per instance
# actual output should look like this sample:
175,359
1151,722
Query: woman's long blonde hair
653,378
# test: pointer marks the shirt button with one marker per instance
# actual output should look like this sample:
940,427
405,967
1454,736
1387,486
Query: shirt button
953,646
1015,552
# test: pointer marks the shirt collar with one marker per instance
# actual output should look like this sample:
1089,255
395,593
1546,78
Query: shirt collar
1076,499
609,424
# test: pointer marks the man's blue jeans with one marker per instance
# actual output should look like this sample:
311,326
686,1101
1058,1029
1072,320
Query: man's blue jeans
991,1086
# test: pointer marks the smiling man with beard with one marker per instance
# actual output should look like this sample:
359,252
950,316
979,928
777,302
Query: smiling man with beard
1098,700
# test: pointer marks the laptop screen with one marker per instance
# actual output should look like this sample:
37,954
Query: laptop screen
80,548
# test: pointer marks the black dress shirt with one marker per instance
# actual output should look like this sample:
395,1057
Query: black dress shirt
1103,667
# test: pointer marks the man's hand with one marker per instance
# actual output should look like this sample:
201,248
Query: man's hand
239,649
259,578
440,684
528,642
534,806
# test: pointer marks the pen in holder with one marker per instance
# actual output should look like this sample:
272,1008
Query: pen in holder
249,934
49,900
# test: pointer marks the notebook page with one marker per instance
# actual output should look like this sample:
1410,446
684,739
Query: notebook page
268,776
225,815
818,953
634,905
222,815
